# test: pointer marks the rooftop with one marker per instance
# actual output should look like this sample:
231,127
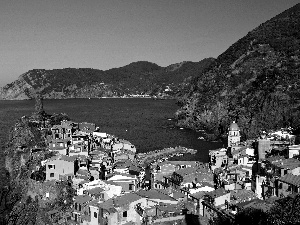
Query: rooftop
82,199
154,194
290,163
96,190
217,193
62,157
234,126
126,199
291,179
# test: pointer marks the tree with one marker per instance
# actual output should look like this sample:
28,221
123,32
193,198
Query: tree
286,211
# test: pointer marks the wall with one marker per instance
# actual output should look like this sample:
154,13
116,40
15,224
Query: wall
61,167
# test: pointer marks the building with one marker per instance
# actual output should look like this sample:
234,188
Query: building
288,184
81,208
293,150
129,183
59,166
59,145
234,136
123,209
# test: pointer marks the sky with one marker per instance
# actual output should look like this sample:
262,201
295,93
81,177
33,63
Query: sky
104,34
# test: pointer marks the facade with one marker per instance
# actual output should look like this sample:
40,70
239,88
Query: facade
60,146
56,167
129,183
234,136
288,184
294,150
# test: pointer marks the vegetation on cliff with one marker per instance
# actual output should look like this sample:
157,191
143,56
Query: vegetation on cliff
20,195
254,82
138,78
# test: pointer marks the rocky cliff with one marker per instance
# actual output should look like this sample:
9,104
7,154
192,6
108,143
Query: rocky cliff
254,82
139,78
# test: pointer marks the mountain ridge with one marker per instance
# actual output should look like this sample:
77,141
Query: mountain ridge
253,82
137,78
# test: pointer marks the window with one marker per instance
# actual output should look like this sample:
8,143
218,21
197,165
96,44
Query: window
51,174
130,187
95,215
51,166
125,214
79,207
75,205
280,186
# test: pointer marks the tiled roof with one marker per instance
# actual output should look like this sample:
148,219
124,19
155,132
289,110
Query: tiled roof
175,193
186,171
199,194
291,179
126,199
154,194
217,193
62,157
107,205
95,190
242,195
82,199
287,163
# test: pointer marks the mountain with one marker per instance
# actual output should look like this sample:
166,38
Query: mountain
254,82
137,78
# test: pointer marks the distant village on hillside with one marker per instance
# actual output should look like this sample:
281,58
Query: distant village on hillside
113,184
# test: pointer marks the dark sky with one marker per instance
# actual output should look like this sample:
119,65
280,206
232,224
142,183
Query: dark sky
48,34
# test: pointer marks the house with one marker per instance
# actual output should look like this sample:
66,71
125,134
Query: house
64,130
123,209
218,158
234,136
197,198
87,127
59,145
97,193
110,189
214,200
166,168
293,150
79,137
103,213
81,208
288,184
285,166
164,214
129,183
59,166
79,148
157,196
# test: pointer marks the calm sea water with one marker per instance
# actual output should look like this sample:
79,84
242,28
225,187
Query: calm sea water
144,122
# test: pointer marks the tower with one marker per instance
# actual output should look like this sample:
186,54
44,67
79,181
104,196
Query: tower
233,134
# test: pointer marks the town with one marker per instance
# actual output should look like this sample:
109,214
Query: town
113,184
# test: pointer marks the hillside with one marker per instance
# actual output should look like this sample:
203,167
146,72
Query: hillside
254,82
138,78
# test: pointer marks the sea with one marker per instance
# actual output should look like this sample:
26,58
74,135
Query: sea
148,124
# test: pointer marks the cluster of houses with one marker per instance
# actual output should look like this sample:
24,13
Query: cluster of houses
254,173
113,186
